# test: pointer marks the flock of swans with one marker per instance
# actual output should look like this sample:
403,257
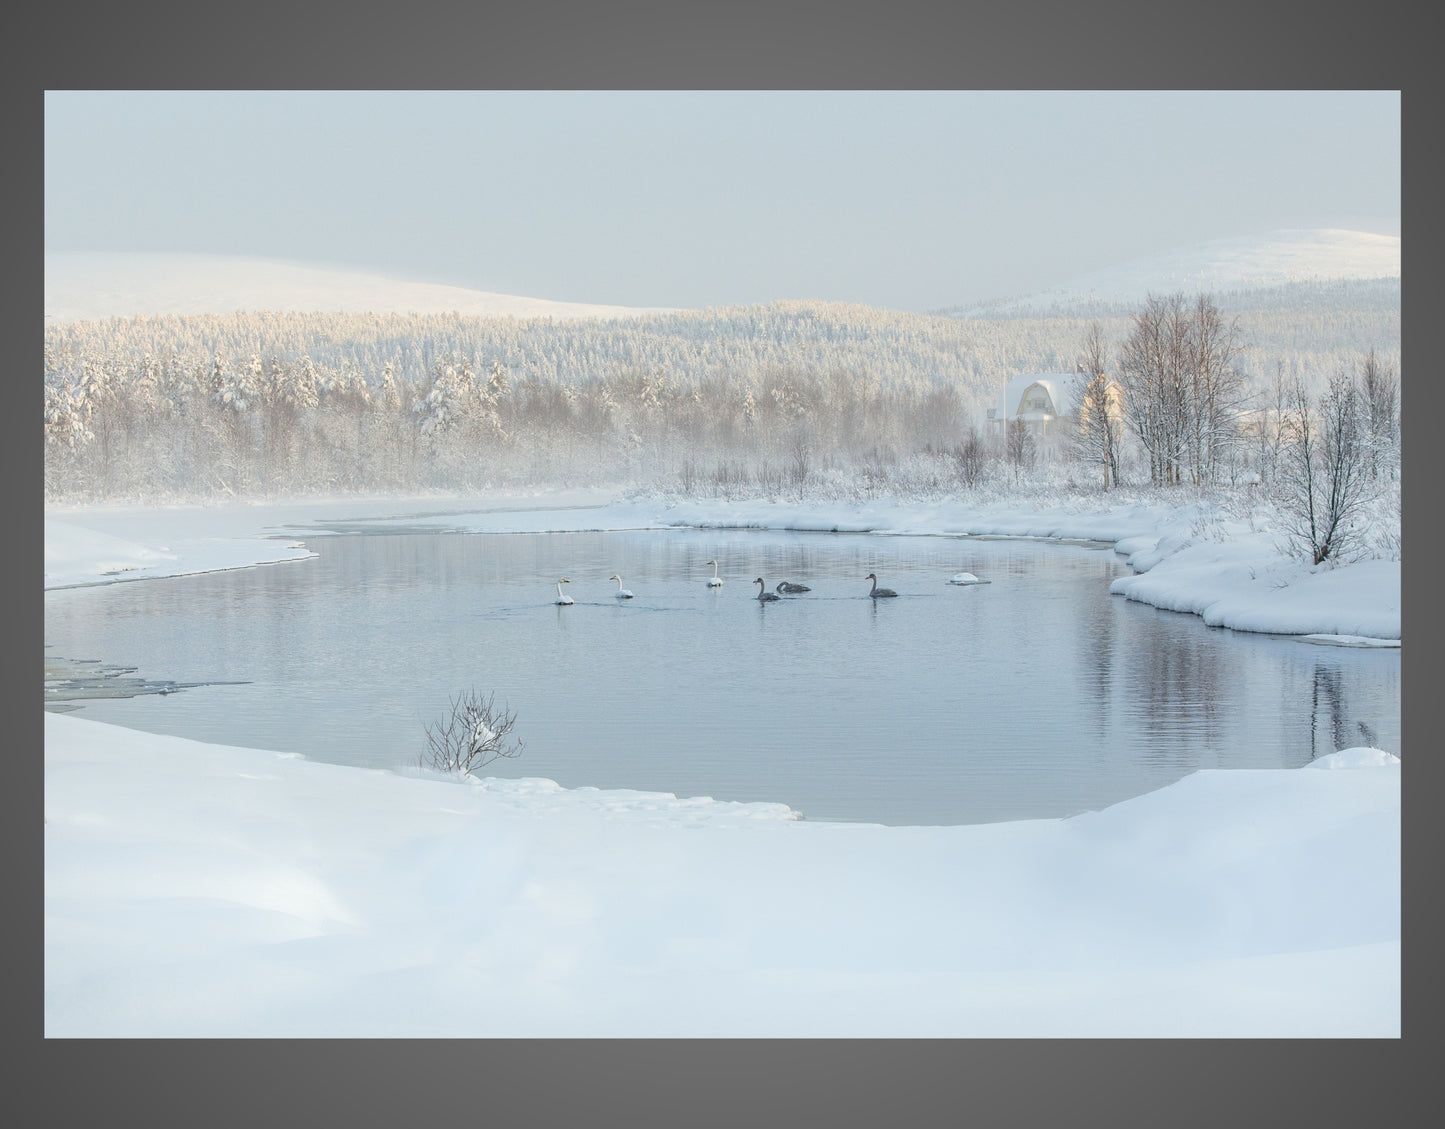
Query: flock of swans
783,586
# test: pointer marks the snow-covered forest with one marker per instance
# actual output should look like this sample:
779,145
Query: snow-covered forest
791,396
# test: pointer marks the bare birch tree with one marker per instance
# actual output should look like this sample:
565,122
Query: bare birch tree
1323,472
1096,434
1216,390
1020,449
1380,395
1149,376
1270,413
1182,394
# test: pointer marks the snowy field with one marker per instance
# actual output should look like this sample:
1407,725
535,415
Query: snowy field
202,890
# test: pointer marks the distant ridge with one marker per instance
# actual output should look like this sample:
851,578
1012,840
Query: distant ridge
86,286
1247,263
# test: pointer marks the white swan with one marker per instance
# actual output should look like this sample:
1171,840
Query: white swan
878,591
716,581
966,578
621,593
561,599
763,593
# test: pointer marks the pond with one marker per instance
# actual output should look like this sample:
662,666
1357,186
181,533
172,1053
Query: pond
1035,695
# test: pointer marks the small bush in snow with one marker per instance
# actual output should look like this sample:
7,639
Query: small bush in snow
473,734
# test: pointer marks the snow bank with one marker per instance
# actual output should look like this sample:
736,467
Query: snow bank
199,890
181,540
98,544
1242,582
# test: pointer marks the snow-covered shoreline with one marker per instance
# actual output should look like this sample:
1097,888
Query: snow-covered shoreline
1228,571
200,890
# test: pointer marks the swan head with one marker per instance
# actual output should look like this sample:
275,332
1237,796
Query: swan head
615,577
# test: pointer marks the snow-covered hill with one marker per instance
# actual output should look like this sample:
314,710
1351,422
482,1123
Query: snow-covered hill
82,286
1221,266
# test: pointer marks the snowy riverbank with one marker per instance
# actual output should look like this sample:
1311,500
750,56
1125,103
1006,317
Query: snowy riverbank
197,890
1227,570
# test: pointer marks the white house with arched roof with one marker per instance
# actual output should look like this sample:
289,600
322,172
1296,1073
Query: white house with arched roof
1036,398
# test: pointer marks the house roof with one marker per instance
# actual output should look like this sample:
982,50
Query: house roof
1059,386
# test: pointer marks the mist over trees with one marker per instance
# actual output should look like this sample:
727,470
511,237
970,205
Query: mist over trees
756,400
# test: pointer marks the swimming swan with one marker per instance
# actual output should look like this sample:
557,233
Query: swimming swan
716,581
789,586
763,593
561,599
879,591
966,578
621,593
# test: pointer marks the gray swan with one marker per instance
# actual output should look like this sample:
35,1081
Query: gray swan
879,591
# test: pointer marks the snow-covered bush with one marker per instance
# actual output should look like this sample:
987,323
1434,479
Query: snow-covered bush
472,735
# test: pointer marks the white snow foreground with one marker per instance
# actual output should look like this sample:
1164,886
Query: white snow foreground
201,890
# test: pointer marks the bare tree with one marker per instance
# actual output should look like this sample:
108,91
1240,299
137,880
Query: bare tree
1322,473
1268,431
1020,447
473,734
1380,394
970,457
1151,376
1216,390
1182,394
1098,431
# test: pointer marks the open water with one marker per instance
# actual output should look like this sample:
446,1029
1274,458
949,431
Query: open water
1035,695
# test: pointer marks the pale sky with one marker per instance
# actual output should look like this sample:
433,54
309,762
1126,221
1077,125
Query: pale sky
905,200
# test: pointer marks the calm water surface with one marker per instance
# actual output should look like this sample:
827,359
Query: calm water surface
1035,695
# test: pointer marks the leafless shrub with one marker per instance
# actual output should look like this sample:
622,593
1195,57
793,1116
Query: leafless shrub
1021,448
473,734
970,457
688,477
801,452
